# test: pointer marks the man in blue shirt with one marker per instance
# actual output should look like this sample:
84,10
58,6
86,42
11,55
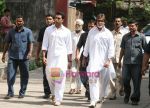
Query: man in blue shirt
19,43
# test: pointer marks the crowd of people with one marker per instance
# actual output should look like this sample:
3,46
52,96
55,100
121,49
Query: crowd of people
92,58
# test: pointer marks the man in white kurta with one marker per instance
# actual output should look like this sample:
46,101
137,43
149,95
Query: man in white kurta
117,83
100,48
75,83
57,42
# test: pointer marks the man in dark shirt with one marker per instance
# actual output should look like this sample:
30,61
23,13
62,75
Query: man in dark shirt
19,43
49,21
82,70
132,46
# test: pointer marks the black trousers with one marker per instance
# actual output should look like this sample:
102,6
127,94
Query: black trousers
45,82
85,80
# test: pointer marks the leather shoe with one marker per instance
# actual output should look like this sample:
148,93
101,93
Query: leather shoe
126,100
134,103
21,96
8,96
46,96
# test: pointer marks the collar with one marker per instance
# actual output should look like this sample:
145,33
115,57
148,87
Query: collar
21,30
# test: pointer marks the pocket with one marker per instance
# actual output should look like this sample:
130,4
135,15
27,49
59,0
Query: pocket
24,39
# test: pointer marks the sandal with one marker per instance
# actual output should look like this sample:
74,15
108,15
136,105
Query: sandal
72,91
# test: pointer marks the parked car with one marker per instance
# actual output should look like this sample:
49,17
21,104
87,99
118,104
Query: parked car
146,31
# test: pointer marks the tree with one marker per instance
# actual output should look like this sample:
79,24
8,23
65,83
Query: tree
2,6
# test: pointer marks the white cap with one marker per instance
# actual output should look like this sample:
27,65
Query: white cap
79,21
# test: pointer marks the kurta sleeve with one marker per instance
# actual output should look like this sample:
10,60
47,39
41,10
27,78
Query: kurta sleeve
69,43
86,47
45,41
111,49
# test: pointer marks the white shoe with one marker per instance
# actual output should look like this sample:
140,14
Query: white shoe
57,103
92,105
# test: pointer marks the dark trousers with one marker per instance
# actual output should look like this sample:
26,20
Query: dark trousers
45,82
132,71
85,80
11,75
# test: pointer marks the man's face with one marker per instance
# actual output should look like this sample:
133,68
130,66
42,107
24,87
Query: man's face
49,20
100,23
58,20
90,26
117,23
19,22
133,27
78,27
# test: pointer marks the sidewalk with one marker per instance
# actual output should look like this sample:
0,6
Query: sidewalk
34,94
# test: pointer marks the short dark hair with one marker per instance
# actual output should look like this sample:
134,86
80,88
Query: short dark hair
6,10
132,21
101,15
49,15
19,16
61,13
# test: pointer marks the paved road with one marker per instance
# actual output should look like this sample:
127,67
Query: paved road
33,97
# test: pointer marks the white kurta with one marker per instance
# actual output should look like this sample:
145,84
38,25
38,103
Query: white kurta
100,47
58,43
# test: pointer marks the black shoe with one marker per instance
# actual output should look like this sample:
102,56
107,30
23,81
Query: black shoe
46,96
21,96
134,103
113,98
8,96
126,100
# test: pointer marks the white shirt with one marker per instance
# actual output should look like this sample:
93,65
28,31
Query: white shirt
100,47
117,42
58,43
75,40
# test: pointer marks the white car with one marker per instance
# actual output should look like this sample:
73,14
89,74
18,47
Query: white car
146,31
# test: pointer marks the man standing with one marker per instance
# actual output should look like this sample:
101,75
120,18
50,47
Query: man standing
75,80
100,48
118,33
19,42
132,46
57,42
49,21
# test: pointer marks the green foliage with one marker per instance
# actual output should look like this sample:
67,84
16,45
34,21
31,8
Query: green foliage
2,6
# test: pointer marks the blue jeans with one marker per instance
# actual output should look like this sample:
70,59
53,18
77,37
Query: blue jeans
132,71
11,75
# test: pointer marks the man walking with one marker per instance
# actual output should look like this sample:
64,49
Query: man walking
118,33
57,42
49,21
132,46
100,48
19,42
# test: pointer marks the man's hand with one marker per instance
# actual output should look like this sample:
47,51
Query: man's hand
77,59
29,55
3,58
69,64
106,65
45,60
